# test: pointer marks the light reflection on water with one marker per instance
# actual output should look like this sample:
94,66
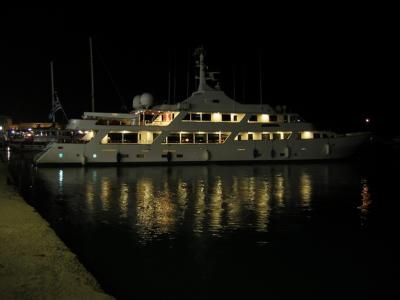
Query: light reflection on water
365,201
309,231
152,201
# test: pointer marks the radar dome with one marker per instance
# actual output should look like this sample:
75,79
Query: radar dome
136,102
146,100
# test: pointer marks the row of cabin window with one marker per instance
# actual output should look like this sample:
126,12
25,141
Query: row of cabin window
279,136
200,138
274,118
206,117
128,138
196,138
263,136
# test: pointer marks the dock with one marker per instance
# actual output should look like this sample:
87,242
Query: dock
34,262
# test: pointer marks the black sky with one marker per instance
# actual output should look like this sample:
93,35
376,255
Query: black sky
333,65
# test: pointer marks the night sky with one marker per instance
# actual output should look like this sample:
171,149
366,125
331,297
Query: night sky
334,66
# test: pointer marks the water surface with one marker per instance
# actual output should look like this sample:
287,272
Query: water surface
281,231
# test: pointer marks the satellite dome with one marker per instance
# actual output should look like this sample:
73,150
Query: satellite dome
146,100
136,102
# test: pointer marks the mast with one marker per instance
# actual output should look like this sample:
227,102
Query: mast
187,73
260,75
202,77
234,81
91,74
174,70
169,77
53,115
203,86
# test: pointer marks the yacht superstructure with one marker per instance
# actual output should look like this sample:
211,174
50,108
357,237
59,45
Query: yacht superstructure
206,127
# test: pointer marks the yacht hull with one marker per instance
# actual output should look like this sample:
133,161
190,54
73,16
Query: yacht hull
233,151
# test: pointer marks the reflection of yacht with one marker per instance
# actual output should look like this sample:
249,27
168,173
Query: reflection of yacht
210,198
206,127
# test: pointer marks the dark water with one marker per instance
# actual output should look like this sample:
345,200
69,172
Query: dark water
281,231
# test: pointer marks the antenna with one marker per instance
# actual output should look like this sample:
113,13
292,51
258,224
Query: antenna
91,73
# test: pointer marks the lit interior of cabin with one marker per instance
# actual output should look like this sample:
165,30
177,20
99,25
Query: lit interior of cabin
213,117
129,137
156,118
263,136
196,138
268,118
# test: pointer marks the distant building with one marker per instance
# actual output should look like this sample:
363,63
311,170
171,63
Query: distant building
33,125
5,123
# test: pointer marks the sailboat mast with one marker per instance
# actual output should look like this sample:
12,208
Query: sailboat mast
52,91
260,75
169,76
91,74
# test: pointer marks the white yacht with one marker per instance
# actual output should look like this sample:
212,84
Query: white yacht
206,127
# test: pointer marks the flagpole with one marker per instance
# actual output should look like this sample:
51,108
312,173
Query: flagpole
91,73
52,92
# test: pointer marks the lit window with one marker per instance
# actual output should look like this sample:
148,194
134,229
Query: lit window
264,118
306,135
